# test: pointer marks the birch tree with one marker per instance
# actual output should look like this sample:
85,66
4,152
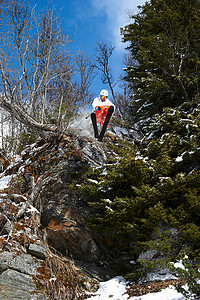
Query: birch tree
34,67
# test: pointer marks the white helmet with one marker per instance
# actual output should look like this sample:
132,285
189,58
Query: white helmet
104,93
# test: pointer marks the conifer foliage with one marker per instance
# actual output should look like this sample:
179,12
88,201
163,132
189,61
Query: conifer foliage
149,197
164,44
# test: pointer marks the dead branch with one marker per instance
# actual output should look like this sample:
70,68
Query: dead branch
48,132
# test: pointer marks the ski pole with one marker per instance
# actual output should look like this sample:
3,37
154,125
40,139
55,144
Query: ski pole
96,109
90,114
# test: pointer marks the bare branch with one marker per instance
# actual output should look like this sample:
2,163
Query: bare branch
47,132
103,59
86,71
35,70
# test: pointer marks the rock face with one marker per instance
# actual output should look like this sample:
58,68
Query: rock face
45,244
20,262
64,211
16,285
38,251
73,240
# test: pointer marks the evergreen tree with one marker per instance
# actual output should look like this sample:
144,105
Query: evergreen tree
164,43
149,197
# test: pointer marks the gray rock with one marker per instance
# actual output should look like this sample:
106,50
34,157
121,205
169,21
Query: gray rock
149,255
15,286
21,262
93,152
6,228
38,251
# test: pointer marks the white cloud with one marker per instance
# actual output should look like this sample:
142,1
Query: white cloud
116,17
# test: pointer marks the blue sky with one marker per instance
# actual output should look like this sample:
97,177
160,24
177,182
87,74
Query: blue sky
94,21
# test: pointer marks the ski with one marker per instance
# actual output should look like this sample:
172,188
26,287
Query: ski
105,124
94,123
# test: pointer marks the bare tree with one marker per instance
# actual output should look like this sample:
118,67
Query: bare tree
63,103
86,73
51,56
104,53
31,53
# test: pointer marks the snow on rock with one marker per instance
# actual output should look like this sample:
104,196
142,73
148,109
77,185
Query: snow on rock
5,181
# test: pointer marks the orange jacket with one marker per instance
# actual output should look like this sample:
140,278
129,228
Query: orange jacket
101,114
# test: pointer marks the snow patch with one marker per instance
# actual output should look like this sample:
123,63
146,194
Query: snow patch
93,181
179,264
4,182
115,289
179,159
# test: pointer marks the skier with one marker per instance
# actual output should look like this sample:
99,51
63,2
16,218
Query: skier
101,105
102,114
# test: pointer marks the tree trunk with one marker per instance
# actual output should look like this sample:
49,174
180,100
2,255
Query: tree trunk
48,132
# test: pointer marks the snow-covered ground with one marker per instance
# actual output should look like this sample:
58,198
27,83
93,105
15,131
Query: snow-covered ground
115,289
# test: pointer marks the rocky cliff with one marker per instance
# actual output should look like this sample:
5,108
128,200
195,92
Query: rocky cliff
47,250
